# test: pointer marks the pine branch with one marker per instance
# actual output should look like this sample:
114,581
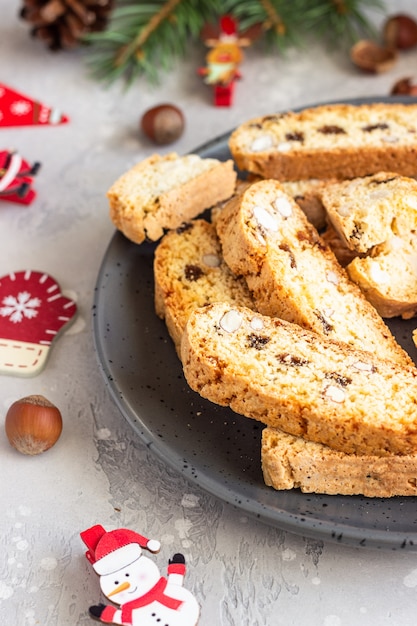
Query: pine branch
146,38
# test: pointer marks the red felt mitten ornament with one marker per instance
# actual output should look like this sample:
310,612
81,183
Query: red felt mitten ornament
32,313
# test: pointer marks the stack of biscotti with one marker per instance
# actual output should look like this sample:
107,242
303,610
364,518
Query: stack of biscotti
339,420
190,272
376,217
266,238
331,141
293,275
163,192
305,434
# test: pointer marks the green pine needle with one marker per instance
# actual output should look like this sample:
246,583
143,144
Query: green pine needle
129,48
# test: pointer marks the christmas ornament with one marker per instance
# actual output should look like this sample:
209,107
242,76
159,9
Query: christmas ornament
33,312
16,178
145,38
33,425
132,581
224,58
163,124
63,23
17,109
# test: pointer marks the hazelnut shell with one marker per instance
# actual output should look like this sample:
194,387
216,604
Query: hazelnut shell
371,57
404,87
33,425
163,124
400,31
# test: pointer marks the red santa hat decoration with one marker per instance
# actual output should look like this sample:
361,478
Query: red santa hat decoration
17,109
111,551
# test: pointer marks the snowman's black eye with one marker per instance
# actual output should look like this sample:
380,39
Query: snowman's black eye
116,582
127,575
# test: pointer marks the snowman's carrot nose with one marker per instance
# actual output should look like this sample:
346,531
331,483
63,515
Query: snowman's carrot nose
118,589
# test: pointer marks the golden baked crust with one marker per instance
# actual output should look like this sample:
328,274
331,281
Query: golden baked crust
306,385
163,192
331,141
293,275
290,462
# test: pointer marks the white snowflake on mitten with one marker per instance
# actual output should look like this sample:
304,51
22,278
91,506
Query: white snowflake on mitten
18,308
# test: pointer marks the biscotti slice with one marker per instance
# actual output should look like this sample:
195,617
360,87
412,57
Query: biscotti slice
370,210
388,277
163,192
189,271
293,275
290,462
306,193
331,141
289,378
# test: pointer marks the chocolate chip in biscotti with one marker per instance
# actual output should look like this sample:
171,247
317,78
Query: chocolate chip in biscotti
371,127
193,272
331,129
343,381
257,341
291,360
295,136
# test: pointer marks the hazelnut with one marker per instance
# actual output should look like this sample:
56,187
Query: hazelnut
400,32
404,87
33,425
163,124
371,57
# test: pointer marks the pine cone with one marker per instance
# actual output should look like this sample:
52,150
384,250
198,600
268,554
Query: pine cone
61,24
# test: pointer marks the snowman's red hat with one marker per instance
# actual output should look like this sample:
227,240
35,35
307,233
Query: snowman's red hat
113,550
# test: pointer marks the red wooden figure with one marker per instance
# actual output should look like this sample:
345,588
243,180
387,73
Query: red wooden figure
16,178
224,58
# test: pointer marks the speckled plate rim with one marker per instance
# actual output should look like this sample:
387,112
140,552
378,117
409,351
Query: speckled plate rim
120,261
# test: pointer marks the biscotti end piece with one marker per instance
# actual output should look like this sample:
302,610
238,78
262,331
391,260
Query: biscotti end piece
370,210
289,378
332,141
293,275
190,272
163,192
290,462
388,277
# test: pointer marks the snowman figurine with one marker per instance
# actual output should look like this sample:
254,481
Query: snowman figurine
133,581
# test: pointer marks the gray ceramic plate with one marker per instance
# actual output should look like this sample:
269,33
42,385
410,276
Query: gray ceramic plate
211,445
